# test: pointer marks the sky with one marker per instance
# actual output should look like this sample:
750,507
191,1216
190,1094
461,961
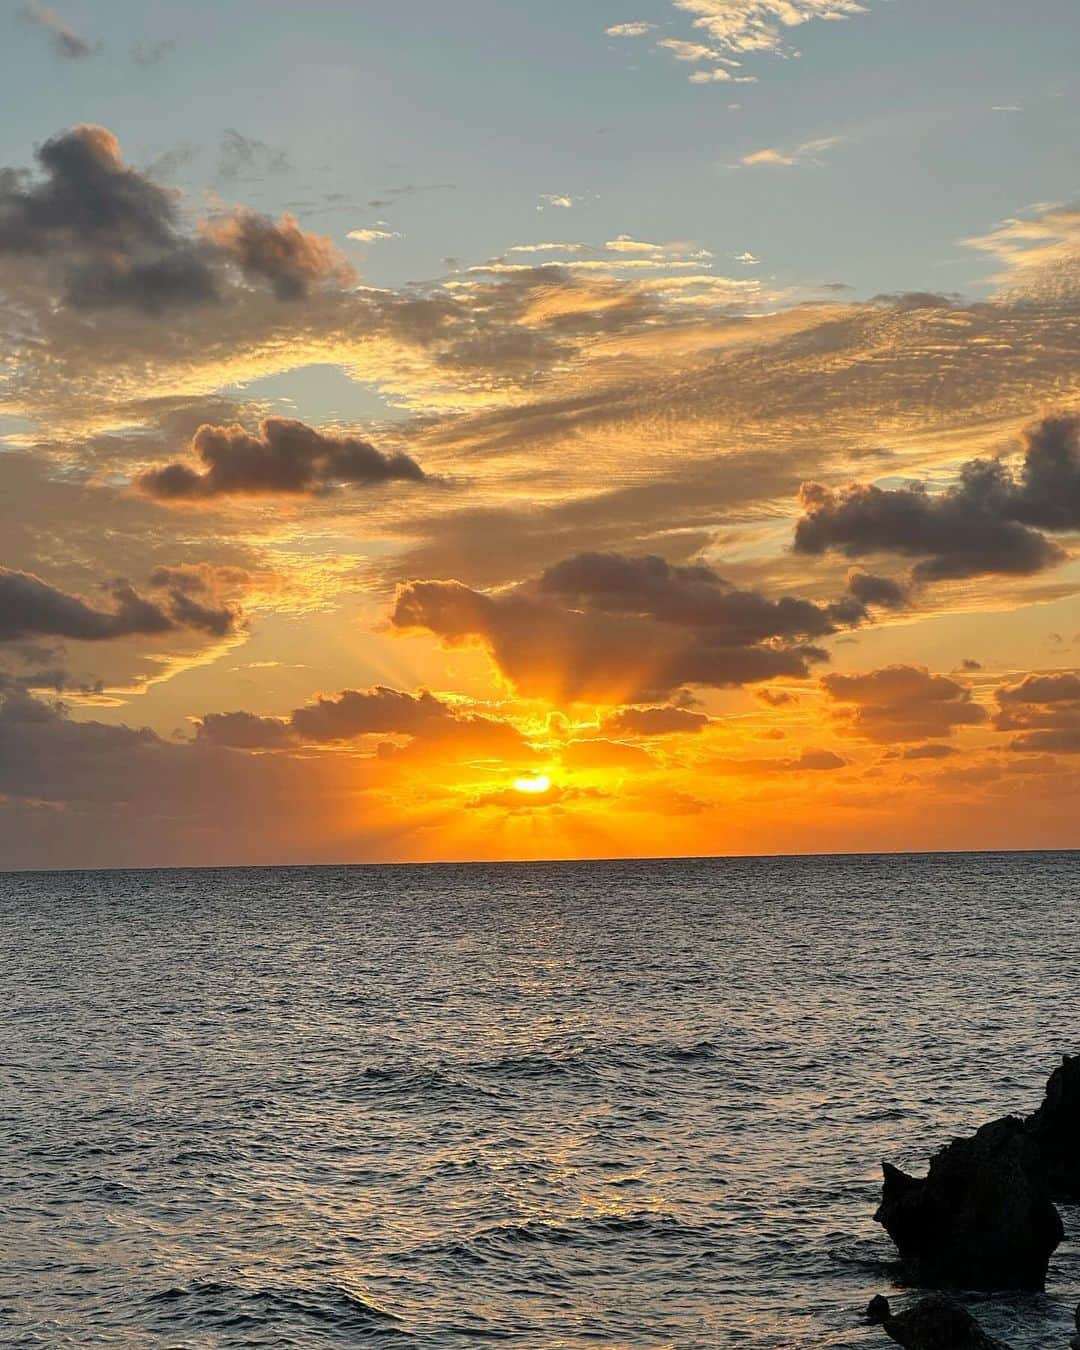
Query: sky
537,430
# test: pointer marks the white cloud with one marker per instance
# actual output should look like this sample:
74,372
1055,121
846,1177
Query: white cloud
636,28
737,28
758,25
372,235
807,153
624,243
563,200
689,51
546,248
719,73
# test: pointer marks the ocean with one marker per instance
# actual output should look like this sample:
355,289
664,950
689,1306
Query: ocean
612,1104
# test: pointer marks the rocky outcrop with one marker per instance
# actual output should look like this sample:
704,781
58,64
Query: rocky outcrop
934,1324
1055,1127
982,1218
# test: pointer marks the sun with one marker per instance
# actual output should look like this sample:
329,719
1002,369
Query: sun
538,782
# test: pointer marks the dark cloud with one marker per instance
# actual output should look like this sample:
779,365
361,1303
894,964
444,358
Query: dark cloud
285,457
363,712
901,703
113,231
776,698
690,596
434,727
883,592
245,731
279,252
990,522
807,761
1044,709
930,751
84,793
30,607
659,721
611,629
115,237
64,40
88,197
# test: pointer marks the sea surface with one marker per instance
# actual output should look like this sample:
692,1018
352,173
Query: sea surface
557,1105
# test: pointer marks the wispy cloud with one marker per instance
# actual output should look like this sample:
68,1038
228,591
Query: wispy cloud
734,29
64,40
373,234
758,25
563,200
547,248
807,153
636,28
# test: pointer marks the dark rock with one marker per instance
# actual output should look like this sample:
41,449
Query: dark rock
879,1310
981,1219
934,1324
1056,1129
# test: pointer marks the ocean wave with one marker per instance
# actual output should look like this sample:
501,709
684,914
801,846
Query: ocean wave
221,1305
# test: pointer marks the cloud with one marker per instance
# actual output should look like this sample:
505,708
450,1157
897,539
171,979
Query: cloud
611,629
547,248
901,703
734,30
372,235
30,607
883,592
635,28
358,713
988,523
436,729
758,25
110,236
658,721
285,457
246,157
281,253
930,751
1045,709
807,761
563,200
245,731
689,51
806,153
64,40
84,793
1040,256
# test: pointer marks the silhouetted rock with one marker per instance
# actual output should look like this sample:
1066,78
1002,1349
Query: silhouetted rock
982,1218
934,1324
879,1310
1056,1129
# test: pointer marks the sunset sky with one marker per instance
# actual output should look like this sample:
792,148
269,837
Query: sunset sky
520,429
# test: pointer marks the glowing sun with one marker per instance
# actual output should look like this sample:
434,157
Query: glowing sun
538,782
